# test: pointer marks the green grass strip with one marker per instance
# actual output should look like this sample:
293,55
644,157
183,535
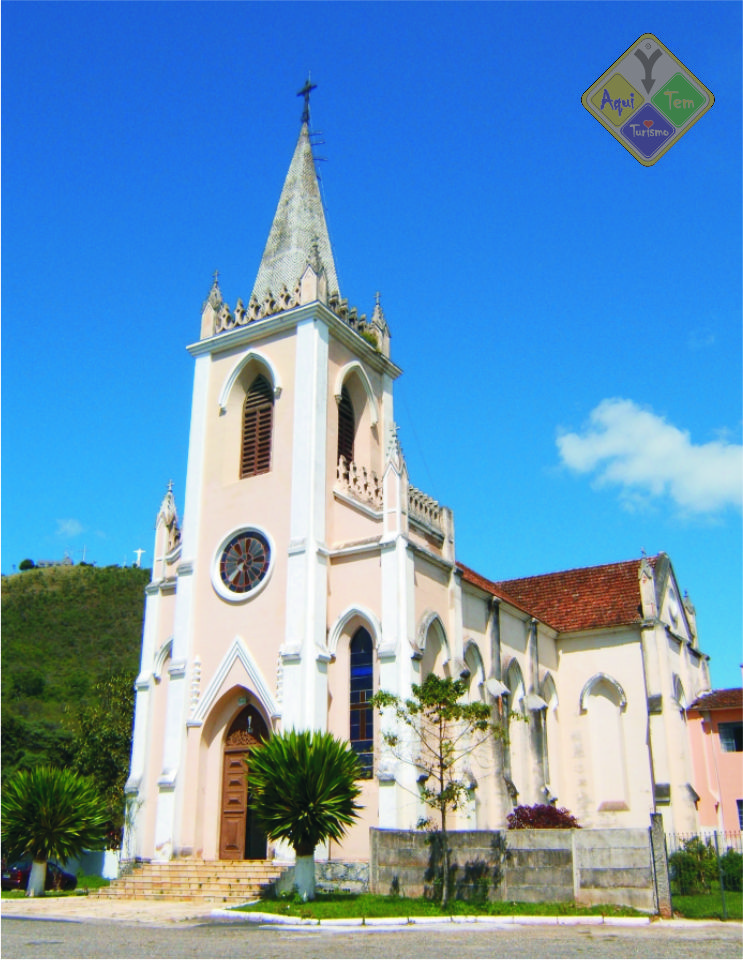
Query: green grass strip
708,906
350,906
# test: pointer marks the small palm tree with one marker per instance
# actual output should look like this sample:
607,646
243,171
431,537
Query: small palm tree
50,814
304,789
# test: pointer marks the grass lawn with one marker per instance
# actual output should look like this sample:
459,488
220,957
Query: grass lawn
708,906
84,883
334,906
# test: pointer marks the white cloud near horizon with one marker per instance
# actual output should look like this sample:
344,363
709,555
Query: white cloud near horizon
638,451
69,527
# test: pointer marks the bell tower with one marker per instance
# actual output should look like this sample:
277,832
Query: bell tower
240,609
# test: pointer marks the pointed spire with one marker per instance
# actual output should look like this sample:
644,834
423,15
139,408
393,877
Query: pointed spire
215,294
299,233
169,517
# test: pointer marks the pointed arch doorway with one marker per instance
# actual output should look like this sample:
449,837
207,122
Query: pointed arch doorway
240,837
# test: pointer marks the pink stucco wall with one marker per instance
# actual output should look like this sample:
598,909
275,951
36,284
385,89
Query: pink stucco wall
718,774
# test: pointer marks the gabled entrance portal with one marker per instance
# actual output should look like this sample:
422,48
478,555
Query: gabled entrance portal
240,836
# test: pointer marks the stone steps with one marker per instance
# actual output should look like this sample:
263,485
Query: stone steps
216,880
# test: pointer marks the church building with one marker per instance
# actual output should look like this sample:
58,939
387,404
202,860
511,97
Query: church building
308,572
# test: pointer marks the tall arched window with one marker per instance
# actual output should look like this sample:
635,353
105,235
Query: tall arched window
255,454
346,426
362,690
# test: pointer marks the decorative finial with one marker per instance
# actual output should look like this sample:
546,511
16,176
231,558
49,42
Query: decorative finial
215,294
376,297
305,92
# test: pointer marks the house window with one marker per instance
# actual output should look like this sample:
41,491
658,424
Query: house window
362,690
346,426
731,737
740,813
255,454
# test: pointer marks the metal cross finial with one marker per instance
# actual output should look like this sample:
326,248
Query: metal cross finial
216,278
305,92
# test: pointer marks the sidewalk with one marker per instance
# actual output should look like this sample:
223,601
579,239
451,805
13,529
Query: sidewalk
91,908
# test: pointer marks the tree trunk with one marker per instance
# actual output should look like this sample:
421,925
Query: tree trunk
36,879
304,876
444,859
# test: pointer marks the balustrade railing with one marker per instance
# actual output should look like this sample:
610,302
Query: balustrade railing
425,509
358,482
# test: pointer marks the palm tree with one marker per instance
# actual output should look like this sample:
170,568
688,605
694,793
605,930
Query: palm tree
304,789
50,814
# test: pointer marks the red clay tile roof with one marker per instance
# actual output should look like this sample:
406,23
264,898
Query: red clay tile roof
584,599
719,700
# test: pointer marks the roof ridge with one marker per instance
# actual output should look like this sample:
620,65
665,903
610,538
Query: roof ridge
597,566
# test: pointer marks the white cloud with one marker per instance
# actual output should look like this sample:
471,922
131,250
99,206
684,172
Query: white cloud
69,528
647,457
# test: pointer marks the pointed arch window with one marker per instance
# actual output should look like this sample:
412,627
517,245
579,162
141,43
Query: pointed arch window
346,426
362,690
257,429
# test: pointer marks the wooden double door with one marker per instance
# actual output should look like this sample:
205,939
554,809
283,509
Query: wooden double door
240,836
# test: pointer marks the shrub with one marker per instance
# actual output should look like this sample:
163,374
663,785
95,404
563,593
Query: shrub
731,865
541,816
693,868
26,564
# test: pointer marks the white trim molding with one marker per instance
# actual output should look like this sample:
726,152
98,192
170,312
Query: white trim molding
370,621
238,652
597,678
430,617
250,356
165,651
344,373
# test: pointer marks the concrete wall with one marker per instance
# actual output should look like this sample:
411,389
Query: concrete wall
331,876
585,866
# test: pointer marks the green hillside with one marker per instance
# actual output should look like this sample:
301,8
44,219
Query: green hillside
65,632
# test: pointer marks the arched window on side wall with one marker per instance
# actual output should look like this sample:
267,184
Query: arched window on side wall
604,703
362,690
257,428
346,426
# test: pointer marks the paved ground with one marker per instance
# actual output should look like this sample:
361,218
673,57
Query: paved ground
91,908
85,927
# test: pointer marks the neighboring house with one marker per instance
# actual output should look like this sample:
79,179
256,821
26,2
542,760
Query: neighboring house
715,723
309,573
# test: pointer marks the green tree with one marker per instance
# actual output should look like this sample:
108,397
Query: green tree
102,746
303,790
26,564
444,730
50,814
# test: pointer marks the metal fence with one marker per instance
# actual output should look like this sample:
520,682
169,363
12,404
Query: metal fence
722,840
701,862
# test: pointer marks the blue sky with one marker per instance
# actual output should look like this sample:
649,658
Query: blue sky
569,321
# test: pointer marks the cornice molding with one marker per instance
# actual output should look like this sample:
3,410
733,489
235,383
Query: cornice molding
288,319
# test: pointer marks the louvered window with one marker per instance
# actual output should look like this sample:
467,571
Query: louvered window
255,455
362,690
346,427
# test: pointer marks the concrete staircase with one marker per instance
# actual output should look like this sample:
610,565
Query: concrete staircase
221,881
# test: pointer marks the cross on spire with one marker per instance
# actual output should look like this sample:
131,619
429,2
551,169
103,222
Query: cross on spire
305,92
